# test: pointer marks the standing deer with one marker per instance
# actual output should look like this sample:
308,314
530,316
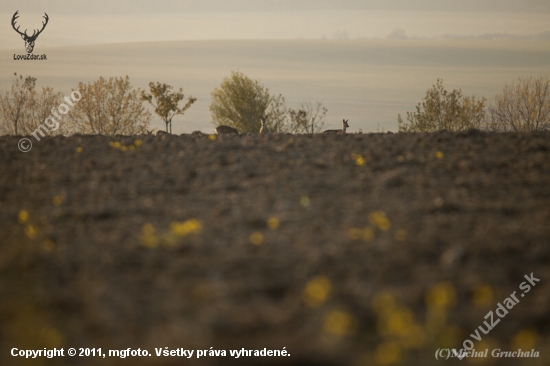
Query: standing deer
264,129
342,131
226,130
29,40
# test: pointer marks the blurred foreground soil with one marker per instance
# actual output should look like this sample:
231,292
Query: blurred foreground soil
363,249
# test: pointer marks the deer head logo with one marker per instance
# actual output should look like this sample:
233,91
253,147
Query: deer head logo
29,40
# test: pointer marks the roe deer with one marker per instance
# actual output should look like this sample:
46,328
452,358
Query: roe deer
264,129
226,130
342,131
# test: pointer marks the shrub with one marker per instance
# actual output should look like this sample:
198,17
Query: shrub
523,105
240,102
443,110
110,107
22,108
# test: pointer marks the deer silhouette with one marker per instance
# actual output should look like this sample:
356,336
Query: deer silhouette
342,131
29,40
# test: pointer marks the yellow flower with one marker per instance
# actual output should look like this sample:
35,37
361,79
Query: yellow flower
338,323
30,231
316,291
23,216
525,339
439,155
58,200
400,322
212,137
483,296
191,226
366,234
148,238
256,238
441,296
273,223
380,219
359,160
79,149
138,143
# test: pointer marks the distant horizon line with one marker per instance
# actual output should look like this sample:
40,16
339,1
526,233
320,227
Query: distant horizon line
542,36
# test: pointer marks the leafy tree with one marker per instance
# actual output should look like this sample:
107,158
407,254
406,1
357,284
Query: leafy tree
110,107
443,110
166,102
22,108
240,102
524,105
309,118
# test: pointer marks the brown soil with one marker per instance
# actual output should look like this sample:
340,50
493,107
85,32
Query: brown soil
388,246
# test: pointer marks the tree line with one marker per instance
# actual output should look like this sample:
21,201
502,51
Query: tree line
113,106
522,106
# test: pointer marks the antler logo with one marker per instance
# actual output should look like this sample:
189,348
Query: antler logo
29,40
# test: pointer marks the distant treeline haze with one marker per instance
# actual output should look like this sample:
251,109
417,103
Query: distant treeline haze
113,107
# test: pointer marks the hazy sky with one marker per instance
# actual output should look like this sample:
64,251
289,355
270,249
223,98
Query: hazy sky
91,22
82,7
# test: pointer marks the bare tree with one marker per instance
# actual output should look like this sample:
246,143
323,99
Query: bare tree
41,108
277,117
110,107
14,105
309,118
523,105
22,108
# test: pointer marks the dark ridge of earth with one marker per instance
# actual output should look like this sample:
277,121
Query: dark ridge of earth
358,249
